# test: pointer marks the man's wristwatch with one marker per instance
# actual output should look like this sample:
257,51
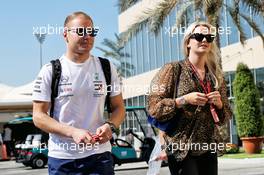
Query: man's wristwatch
112,126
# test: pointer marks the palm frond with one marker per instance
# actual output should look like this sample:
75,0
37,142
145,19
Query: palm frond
111,44
115,51
132,29
112,55
127,65
124,55
162,10
254,26
180,16
257,6
153,17
120,73
108,53
212,9
234,13
119,40
198,6
129,73
124,72
125,4
101,49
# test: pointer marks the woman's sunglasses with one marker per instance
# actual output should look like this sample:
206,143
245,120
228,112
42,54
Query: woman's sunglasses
199,37
82,31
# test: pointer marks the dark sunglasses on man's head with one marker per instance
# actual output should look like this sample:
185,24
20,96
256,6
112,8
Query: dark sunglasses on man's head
199,37
82,31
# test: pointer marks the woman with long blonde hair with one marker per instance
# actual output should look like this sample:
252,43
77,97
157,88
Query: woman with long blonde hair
194,97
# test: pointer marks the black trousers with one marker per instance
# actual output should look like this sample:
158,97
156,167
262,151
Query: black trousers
205,164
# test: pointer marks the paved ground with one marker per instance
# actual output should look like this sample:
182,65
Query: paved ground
253,166
226,167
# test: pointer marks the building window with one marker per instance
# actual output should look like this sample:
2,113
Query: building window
129,50
233,37
166,42
139,52
146,56
152,50
159,48
223,31
260,81
260,85
228,85
133,54
232,77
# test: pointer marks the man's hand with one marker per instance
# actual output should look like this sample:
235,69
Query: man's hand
82,136
104,133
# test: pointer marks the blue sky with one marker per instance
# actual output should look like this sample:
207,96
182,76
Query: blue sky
19,49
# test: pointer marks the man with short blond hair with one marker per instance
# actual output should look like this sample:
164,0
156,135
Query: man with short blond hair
79,136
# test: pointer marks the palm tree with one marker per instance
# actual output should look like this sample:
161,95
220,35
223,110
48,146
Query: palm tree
125,4
212,10
115,52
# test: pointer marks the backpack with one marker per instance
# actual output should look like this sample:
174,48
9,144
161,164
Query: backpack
56,75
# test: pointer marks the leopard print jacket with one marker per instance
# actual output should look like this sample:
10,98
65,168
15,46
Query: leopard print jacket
195,131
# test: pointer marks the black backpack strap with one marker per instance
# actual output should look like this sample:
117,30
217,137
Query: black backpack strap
107,73
56,74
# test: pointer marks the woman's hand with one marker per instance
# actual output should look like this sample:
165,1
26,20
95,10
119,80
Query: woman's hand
215,98
162,156
196,98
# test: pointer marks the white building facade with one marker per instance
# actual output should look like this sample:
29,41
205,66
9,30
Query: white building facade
148,52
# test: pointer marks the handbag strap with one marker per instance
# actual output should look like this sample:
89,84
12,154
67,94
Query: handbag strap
177,79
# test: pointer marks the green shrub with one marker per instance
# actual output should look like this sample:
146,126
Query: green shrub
232,148
247,103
